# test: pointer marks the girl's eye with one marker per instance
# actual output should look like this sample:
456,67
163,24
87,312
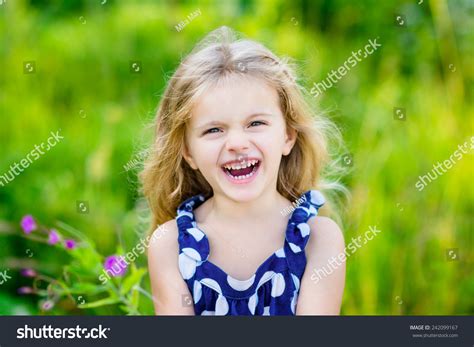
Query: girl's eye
257,122
211,131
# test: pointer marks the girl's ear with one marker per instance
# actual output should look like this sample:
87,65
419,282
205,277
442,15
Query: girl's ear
187,156
290,140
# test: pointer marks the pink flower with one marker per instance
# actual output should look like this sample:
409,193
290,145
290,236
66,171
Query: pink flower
53,237
25,290
28,224
115,265
47,305
70,244
28,273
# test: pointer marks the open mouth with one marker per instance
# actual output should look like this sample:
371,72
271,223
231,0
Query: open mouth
241,170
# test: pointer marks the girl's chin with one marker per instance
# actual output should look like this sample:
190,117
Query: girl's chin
241,195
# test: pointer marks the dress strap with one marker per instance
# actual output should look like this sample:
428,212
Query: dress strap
298,230
192,241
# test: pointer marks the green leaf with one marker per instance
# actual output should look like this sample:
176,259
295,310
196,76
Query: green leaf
103,302
87,288
124,308
134,278
134,298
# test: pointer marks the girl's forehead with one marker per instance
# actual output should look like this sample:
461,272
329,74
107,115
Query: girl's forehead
236,96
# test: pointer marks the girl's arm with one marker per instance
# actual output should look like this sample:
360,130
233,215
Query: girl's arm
170,293
322,284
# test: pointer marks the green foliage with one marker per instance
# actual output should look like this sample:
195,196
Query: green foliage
83,85
78,282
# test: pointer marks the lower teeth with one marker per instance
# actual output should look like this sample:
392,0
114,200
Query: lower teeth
242,177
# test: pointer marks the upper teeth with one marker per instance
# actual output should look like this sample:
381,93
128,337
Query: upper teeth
241,165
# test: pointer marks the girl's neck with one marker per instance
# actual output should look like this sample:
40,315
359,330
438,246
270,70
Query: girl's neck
266,207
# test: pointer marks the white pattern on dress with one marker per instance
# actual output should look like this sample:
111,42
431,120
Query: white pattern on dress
278,285
187,266
240,285
222,307
197,234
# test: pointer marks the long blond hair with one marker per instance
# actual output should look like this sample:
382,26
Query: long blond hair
168,179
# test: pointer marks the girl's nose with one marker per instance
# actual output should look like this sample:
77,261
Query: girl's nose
237,141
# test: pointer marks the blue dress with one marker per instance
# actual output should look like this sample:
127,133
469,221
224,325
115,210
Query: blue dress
272,290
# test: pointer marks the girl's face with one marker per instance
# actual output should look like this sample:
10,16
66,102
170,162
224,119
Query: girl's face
236,137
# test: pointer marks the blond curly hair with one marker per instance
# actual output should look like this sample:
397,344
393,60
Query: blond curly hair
167,178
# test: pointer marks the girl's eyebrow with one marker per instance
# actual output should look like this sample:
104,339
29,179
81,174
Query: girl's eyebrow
208,124
215,122
260,114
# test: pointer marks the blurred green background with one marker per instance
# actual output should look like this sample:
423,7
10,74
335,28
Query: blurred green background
83,83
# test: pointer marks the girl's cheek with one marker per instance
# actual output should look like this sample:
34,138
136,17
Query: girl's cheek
208,151
266,141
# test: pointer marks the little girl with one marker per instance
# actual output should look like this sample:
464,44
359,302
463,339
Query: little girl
236,144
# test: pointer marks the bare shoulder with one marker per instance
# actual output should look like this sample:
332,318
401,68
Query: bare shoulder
326,237
164,240
163,250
